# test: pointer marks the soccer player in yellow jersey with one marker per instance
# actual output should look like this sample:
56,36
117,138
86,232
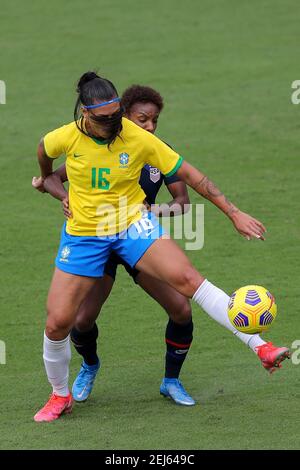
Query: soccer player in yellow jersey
105,154
142,105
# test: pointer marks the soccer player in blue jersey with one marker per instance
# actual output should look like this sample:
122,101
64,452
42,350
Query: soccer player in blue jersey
102,137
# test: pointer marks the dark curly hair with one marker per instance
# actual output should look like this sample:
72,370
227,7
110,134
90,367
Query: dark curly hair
141,94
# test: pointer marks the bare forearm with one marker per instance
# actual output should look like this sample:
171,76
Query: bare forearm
210,191
206,188
246,225
178,205
54,186
175,207
61,172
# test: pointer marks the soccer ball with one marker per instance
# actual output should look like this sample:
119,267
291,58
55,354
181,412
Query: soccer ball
252,309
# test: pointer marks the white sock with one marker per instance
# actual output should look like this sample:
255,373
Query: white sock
215,303
57,356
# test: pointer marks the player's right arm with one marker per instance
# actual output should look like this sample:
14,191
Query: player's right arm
46,163
38,182
52,182
53,185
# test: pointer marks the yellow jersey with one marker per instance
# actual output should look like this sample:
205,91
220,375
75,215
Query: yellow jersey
104,192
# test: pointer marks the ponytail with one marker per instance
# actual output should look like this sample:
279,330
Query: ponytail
85,78
92,88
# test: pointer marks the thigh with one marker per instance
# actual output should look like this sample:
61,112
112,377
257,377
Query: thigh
83,255
165,260
175,304
67,292
136,240
91,306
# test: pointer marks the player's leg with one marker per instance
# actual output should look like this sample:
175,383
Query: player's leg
67,291
79,263
164,259
85,332
84,336
167,262
178,335
149,251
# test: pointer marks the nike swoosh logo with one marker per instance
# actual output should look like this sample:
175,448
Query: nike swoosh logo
181,351
80,394
76,155
149,233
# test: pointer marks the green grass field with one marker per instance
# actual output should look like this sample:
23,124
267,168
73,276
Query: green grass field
225,69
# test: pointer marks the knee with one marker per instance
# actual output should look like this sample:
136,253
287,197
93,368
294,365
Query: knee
86,318
57,331
57,328
182,313
189,281
186,312
83,324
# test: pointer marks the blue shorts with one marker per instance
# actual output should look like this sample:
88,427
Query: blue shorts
87,256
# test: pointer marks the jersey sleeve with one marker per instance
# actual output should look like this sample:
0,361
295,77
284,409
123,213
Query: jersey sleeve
163,157
171,179
55,142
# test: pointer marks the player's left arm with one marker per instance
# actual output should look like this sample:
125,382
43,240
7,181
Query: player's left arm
244,223
180,202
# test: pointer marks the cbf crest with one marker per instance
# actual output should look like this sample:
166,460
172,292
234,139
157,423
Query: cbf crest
154,174
65,253
124,158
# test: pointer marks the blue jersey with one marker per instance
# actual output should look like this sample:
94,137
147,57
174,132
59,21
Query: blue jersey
151,180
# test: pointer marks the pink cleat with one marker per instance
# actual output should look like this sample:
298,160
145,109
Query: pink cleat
271,356
54,408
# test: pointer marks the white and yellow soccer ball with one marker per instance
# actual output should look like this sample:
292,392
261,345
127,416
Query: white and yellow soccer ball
252,309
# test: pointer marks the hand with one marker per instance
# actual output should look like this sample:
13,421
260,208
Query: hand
248,226
38,183
65,207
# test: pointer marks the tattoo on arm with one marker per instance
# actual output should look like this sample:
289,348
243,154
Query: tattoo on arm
210,191
200,184
232,209
208,188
